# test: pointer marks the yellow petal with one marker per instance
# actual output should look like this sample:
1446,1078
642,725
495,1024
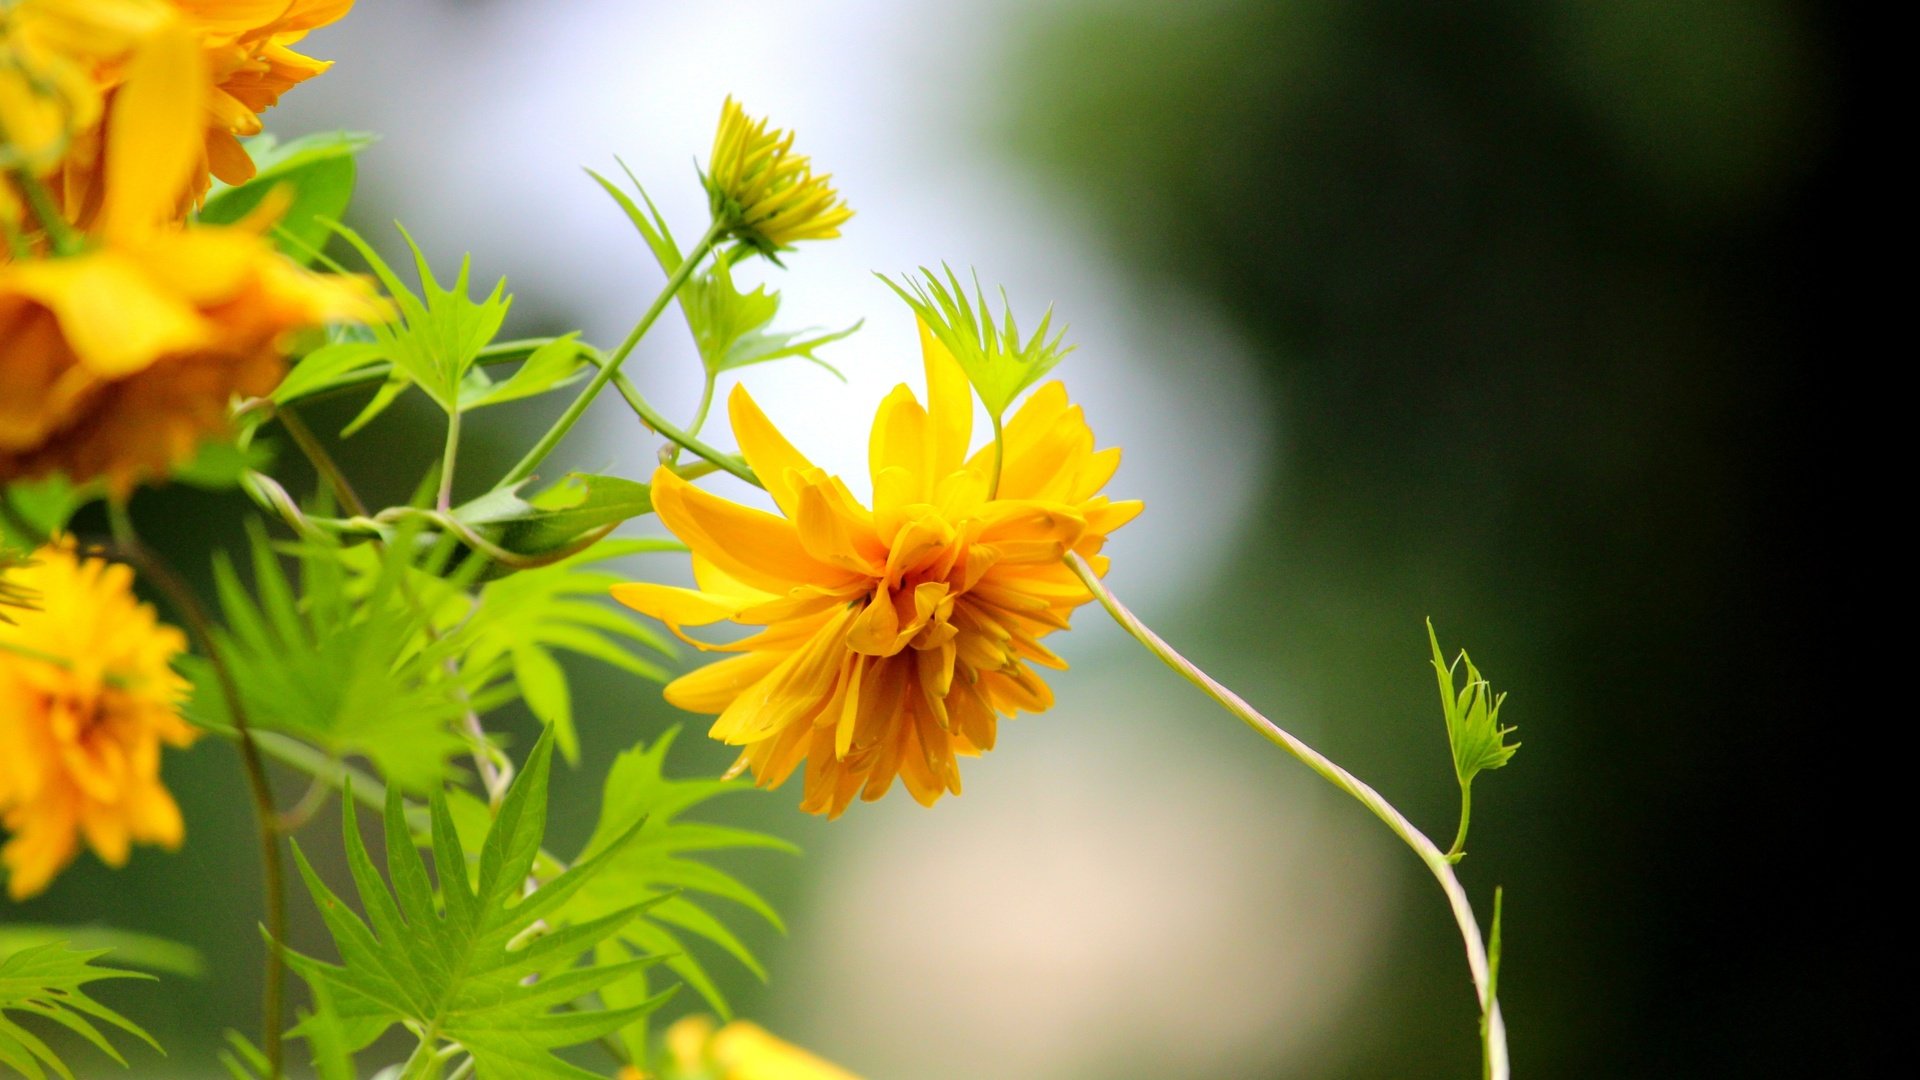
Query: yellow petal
674,606
156,132
113,316
766,450
759,549
949,405
899,441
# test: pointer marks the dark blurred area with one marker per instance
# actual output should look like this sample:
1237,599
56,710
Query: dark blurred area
1543,292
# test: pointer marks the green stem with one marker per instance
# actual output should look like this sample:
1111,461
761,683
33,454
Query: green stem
1495,1043
999,452
660,425
607,370
447,459
273,870
323,463
1459,848
59,232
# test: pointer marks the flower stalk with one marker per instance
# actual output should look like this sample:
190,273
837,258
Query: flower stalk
1494,1042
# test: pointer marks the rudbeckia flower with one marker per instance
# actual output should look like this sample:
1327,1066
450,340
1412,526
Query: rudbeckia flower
763,192
87,697
52,54
741,1050
892,639
117,361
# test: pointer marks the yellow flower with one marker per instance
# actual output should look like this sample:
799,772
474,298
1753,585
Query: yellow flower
765,193
741,1051
86,698
894,638
115,363
52,56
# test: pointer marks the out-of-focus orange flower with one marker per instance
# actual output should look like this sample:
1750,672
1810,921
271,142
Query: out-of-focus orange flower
894,638
87,697
117,361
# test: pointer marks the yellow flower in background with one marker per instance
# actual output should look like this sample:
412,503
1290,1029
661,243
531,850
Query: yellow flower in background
87,697
53,54
741,1051
62,61
116,362
894,638
765,193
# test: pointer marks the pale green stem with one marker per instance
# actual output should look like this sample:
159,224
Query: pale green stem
699,417
1459,847
612,366
447,459
999,452
1496,1066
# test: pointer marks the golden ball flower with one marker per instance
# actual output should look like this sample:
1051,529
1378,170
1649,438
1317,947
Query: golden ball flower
87,698
892,639
763,192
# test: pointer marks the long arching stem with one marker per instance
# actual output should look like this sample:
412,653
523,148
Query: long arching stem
1495,1042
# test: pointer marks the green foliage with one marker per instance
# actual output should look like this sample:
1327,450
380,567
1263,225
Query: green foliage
997,362
581,507
552,364
128,946
527,617
45,980
657,863
439,336
219,464
729,327
12,594
39,509
350,669
314,174
1473,717
478,969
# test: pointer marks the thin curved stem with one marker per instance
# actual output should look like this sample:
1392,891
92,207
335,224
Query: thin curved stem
1495,1042
273,870
607,370
323,463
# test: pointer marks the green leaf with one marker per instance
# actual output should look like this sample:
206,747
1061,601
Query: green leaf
338,363
554,364
529,616
729,326
45,980
1473,717
353,672
480,967
44,505
656,863
997,362
651,226
560,517
128,946
440,334
316,172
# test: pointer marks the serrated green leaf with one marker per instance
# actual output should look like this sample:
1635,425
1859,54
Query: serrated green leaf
351,671
315,173
129,947
480,969
638,794
560,517
552,365
440,333
1473,717
339,363
998,363
45,980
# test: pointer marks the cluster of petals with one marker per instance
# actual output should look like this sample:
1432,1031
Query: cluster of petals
763,190
116,361
87,699
891,640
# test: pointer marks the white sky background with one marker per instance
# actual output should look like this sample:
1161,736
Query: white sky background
1163,919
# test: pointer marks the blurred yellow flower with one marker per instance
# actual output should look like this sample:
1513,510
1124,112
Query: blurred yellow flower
62,61
741,1051
86,698
765,193
894,638
116,362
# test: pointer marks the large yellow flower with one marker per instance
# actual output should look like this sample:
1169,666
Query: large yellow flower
894,638
741,1050
116,362
87,697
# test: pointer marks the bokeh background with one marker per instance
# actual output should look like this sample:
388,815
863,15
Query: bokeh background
1507,313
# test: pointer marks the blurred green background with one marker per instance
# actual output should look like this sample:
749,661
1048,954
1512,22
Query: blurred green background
1503,313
